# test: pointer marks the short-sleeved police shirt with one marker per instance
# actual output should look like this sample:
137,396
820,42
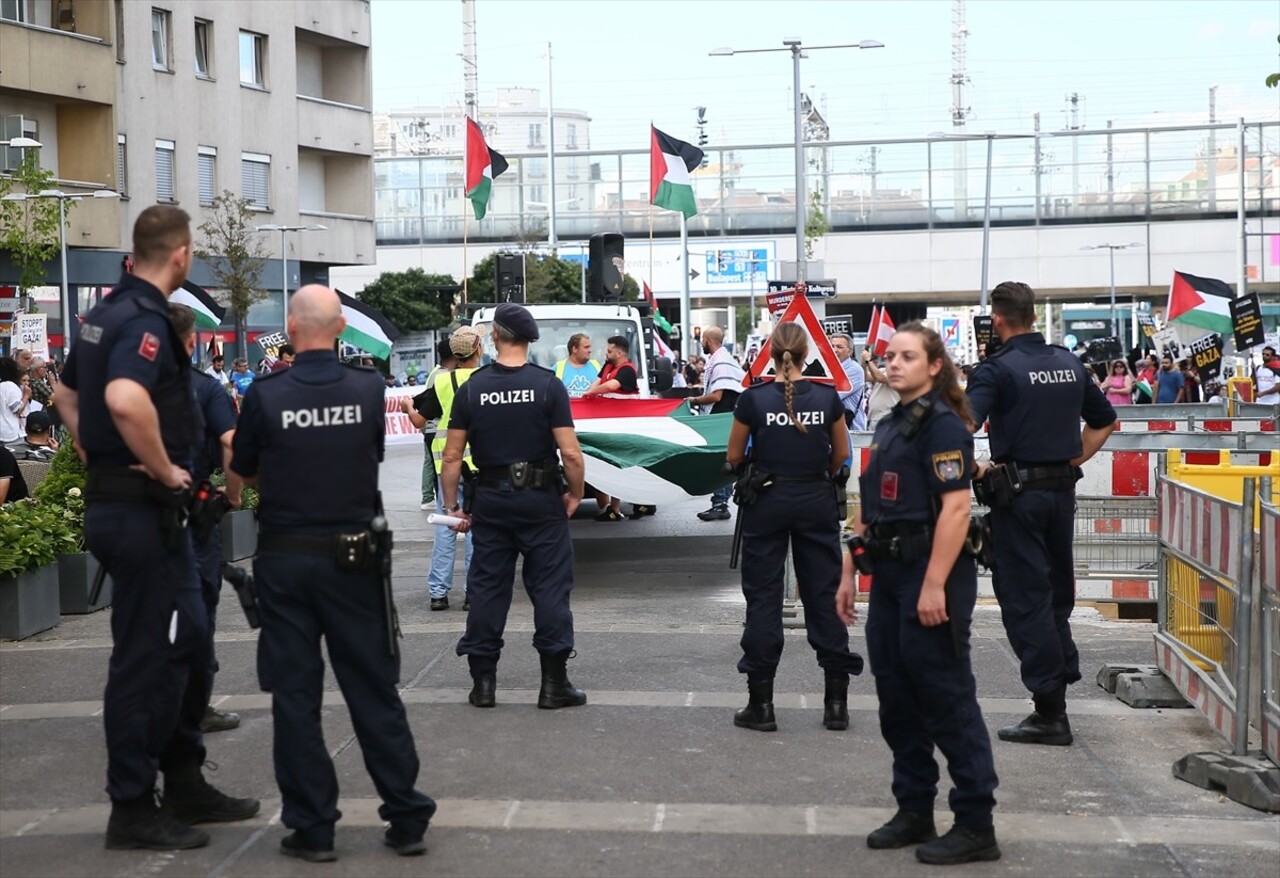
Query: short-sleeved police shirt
904,474
777,445
509,413
219,415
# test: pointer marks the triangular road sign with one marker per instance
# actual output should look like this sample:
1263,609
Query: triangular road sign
820,352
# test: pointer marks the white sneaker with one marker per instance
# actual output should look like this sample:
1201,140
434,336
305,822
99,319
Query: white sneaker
427,507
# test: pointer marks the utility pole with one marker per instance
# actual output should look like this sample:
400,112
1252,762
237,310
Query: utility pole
1211,158
959,112
1111,171
470,72
1073,105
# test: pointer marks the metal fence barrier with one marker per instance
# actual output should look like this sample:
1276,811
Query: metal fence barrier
1115,537
1268,576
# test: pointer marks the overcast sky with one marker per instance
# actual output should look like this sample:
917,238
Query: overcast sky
627,62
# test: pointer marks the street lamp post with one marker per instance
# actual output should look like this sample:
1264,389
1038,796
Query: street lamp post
62,198
1111,258
797,50
284,260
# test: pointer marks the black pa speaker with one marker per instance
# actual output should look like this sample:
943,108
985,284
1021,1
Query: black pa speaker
510,282
605,267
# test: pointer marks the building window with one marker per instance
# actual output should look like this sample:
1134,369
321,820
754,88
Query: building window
122,166
253,50
119,4
14,10
11,157
207,174
160,39
204,43
255,179
571,135
535,134
164,170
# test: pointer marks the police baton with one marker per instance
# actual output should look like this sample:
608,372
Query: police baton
99,579
383,544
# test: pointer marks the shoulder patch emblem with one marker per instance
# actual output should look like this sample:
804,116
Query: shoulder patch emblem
948,466
889,487
149,347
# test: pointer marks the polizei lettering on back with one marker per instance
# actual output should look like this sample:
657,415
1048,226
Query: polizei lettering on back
325,416
506,397
773,419
1053,376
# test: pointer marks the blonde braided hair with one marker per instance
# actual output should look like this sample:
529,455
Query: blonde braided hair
789,345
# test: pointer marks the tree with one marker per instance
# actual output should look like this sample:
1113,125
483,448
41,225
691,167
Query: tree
816,225
413,300
29,228
236,256
1274,79
547,280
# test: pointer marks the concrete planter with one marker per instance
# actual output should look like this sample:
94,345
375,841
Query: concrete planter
239,535
76,573
29,603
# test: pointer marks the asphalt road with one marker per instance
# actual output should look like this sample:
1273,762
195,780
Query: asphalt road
651,777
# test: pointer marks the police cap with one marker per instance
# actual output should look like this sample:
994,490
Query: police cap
517,320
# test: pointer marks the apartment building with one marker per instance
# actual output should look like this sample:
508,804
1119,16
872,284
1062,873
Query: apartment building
175,101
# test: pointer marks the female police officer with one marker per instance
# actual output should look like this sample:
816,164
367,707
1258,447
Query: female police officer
912,526
798,442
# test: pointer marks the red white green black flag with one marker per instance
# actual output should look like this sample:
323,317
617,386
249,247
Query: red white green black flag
482,165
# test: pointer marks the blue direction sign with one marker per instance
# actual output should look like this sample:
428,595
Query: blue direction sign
735,266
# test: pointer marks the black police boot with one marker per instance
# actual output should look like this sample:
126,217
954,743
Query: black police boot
190,798
406,839
835,704
557,691
960,845
758,714
141,824
905,828
299,847
484,691
1048,725
218,721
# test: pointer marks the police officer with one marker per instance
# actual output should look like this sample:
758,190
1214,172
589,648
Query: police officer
316,578
126,398
799,442
914,519
515,416
1035,395
217,424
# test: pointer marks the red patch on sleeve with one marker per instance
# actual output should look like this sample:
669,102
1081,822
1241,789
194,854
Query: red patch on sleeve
149,347
889,486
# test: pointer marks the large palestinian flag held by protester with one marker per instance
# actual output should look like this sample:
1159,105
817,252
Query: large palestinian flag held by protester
483,165
366,327
651,450
208,313
1200,302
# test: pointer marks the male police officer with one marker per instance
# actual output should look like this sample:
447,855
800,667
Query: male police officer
126,398
217,424
515,415
1035,395
317,576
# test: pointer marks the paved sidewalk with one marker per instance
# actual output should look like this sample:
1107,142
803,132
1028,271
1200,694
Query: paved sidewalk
651,777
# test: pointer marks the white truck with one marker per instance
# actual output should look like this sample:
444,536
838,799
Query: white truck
556,323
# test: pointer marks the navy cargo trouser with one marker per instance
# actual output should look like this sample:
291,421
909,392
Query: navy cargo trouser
927,692
507,523
1034,581
802,514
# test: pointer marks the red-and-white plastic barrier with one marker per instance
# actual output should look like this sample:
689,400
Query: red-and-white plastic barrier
1268,572
1207,425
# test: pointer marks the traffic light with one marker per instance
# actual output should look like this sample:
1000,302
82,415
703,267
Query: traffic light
605,265
510,281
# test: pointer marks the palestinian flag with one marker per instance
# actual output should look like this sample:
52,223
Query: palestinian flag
367,328
670,163
1203,302
651,450
659,322
482,166
208,312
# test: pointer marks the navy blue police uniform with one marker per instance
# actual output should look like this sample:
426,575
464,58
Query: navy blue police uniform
797,507
509,414
321,412
217,415
159,626
924,680
1035,395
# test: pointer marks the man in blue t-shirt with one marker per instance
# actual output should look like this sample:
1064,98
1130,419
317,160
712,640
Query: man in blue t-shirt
1170,385
578,371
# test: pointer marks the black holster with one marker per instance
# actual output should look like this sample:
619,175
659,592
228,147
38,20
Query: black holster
467,483
842,493
125,485
999,488
862,561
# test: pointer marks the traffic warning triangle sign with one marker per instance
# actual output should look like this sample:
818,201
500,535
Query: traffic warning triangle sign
828,369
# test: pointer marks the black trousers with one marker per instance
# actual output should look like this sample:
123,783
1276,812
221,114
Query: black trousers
302,598
927,693
802,515
209,567
1035,584
506,524
157,681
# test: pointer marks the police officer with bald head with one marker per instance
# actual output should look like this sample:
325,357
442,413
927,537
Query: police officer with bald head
516,416
314,581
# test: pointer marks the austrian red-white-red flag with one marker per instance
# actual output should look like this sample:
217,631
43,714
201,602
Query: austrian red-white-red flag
882,329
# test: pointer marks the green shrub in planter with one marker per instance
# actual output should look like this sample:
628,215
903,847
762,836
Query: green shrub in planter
33,534
64,488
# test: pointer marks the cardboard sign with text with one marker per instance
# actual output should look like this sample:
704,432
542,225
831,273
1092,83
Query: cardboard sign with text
31,333
1246,322
1205,354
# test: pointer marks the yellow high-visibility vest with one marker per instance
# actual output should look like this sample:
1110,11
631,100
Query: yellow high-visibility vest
445,387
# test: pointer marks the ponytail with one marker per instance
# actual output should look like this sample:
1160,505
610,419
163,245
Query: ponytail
946,384
789,345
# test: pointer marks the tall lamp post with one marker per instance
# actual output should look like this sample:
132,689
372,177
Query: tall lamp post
1111,258
797,50
284,260
62,198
